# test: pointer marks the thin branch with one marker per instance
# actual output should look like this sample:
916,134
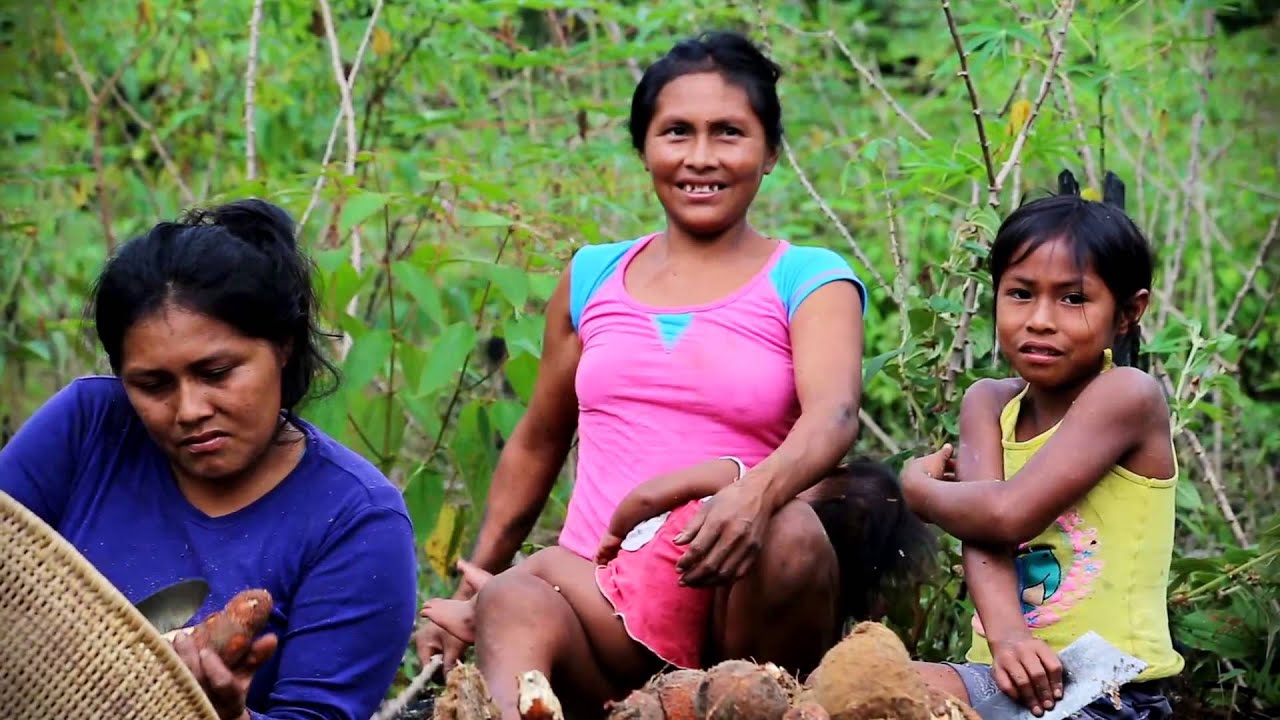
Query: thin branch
888,442
165,157
1263,251
973,100
337,121
831,215
1191,187
1055,56
250,85
874,82
1091,174
1197,448
392,708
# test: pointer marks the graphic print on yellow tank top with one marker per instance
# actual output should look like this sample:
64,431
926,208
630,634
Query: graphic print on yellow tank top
1102,565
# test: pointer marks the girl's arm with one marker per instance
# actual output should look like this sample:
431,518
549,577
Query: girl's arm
826,346
670,491
1112,418
1023,668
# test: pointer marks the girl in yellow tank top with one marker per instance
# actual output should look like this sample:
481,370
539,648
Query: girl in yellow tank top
1062,490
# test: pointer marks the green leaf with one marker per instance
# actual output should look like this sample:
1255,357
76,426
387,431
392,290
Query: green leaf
446,356
473,450
521,370
368,358
421,289
423,497
875,364
525,334
511,282
505,415
358,208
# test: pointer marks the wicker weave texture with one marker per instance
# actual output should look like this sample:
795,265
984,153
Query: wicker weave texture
71,645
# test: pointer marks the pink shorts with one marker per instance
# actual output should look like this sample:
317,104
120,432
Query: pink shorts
643,586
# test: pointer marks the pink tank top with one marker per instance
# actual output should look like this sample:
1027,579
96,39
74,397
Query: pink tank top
664,388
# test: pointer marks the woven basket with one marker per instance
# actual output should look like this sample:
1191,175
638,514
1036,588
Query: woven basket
71,645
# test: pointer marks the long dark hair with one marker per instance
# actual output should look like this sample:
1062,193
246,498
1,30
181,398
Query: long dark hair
881,546
237,262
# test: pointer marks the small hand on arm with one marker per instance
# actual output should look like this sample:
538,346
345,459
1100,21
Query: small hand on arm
1110,418
725,536
661,494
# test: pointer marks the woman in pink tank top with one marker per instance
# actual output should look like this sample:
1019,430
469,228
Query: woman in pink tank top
712,375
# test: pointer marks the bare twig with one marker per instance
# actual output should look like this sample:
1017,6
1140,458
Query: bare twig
1263,251
337,121
1191,188
1197,448
1091,174
392,708
873,81
165,157
888,442
615,34
973,100
1057,41
345,83
250,84
831,215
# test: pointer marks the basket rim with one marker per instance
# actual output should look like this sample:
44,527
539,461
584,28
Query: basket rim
72,562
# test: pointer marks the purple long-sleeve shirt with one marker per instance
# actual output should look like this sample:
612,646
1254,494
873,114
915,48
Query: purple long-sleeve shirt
332,543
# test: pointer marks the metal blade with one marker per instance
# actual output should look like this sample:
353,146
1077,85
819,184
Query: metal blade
1091,668
169,608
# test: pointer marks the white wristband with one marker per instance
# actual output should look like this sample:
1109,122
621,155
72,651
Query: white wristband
742,468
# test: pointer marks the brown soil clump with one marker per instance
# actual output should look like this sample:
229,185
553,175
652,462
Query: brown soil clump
868,676
806,710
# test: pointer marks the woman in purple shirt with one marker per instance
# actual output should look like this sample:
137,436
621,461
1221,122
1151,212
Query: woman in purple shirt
190,462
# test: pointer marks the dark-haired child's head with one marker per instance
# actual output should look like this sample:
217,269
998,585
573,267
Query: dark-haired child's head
883,549
1072,278
210,324
707,123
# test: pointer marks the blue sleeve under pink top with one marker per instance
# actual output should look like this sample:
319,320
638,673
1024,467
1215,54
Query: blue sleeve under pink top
332,543
664,388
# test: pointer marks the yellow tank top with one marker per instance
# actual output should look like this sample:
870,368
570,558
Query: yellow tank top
1103,565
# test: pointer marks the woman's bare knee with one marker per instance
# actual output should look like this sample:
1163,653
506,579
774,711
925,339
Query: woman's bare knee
790,592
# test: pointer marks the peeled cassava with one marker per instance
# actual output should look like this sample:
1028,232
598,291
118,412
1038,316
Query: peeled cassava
868,676
230,631
534,698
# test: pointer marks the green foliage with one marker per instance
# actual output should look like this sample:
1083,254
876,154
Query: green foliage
491,142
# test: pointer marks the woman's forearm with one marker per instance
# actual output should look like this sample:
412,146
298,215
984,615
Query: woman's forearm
817,442
521,484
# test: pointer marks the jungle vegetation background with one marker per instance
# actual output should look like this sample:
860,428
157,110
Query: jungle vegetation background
445,157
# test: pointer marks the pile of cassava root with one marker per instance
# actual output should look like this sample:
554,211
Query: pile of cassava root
867,676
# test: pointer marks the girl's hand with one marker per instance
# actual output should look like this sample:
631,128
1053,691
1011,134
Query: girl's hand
940,465
724,537
1027,670
227,688
918,476
610,544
